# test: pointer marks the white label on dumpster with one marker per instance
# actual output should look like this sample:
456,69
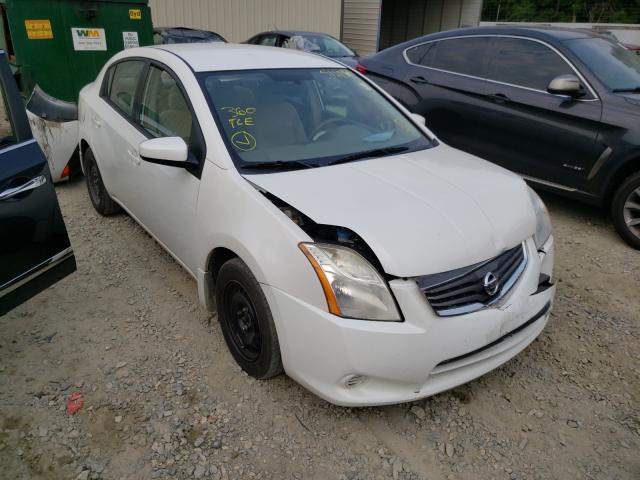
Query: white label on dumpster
89,39
130,39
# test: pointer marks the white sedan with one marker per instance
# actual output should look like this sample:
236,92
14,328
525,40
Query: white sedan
336,237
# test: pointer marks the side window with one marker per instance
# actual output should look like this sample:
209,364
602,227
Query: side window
269,40
526,63
7,133
460,55
122,91
164,111
419,54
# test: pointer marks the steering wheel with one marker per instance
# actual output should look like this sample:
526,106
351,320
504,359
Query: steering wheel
322,128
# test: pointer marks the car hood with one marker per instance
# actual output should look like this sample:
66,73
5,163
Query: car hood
423,212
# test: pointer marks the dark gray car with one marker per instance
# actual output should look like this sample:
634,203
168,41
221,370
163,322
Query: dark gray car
559,106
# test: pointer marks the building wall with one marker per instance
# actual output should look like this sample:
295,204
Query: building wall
407,19
360,22
238,20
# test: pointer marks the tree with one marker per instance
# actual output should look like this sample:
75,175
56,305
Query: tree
588,11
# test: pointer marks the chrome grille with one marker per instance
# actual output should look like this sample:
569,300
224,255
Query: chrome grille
475,287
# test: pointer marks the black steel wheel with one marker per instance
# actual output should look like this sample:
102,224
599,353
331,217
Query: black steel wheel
242,321
100,198
246,321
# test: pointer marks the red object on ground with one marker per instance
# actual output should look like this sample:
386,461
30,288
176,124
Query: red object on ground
75,403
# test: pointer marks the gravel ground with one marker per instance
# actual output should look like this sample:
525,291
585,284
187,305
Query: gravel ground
164,399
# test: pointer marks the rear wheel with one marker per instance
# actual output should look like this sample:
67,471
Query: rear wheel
100,198
246,321
625,210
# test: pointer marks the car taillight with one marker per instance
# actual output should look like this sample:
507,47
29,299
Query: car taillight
66,171
361,68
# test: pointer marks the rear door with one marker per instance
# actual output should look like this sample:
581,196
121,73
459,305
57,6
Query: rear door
541,135
448,76
35,251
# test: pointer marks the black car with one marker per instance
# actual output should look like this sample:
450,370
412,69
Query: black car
559,106
319,43
34,247
165,35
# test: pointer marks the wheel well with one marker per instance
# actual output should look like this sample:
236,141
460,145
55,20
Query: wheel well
84,146
217,258
627,169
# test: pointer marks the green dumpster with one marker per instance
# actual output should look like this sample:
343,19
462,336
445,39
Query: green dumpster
56,47
61,45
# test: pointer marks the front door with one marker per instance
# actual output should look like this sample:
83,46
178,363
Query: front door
166,197
549,137
35,251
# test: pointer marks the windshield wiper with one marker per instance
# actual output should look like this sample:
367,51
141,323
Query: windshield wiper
627,90
278,165
378,152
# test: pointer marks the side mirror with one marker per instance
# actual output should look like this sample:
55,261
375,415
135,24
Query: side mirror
169,151
419,119
566,85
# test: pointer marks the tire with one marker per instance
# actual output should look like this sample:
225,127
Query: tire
625,210
246,321
100,198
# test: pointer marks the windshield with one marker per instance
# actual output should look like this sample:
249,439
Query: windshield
615,66
322,44
307,117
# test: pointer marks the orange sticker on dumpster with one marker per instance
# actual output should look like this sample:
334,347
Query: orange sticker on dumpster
135,14
38,29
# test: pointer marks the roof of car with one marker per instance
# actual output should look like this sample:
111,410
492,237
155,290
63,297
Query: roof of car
293,32
541,32
205,57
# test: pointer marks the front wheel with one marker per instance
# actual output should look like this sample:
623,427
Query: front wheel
625,210
246,321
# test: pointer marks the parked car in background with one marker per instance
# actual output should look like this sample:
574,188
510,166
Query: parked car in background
341,240
560,107
35,251
166,35
630,46
312,42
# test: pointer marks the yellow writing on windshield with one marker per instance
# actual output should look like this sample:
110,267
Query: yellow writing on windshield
241,117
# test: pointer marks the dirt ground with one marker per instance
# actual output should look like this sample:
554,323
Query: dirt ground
164,399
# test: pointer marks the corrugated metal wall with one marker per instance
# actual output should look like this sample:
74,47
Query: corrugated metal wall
238,20
406,19
360,21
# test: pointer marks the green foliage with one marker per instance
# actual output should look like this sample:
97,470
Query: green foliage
589,11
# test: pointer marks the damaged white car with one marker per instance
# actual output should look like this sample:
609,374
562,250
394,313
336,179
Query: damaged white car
339,240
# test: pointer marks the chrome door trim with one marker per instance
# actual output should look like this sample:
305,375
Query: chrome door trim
16,145
29,275
547,183
566,60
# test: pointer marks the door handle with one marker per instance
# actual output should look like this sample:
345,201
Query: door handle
96,121
25,187
499,98
419,80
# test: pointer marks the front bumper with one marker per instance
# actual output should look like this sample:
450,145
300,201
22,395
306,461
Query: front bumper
421,356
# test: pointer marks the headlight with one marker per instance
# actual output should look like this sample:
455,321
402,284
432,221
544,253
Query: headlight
543,222
353,288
